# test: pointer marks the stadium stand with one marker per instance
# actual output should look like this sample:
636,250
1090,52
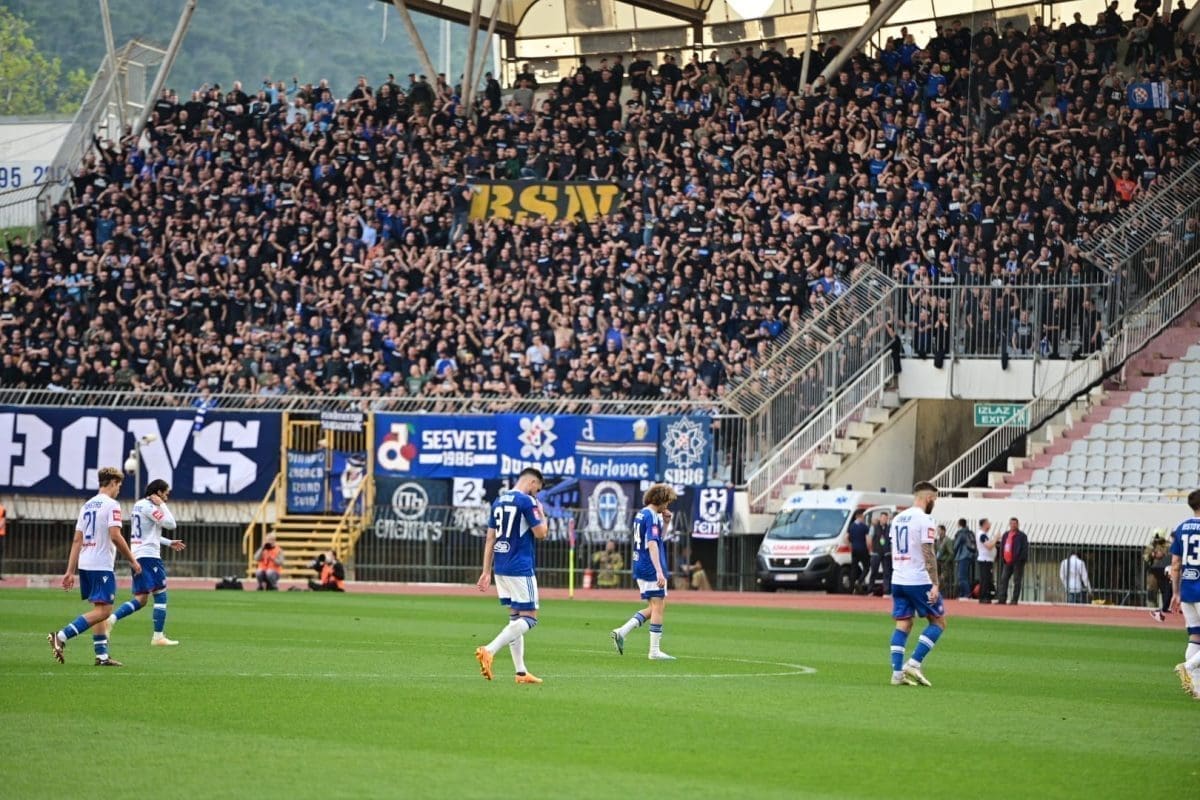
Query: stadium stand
1136,440
291,243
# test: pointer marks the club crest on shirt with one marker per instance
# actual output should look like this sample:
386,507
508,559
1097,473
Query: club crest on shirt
158,515
116,517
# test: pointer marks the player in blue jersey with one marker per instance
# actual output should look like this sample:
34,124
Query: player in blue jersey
517,518
651,568
150,518
1185,580
914,590
93,551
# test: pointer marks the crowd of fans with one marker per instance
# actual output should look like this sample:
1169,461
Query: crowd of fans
282,240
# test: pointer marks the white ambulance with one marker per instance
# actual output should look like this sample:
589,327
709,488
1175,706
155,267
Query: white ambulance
807,544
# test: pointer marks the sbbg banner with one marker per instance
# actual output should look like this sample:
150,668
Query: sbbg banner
548,200
53,452
684,447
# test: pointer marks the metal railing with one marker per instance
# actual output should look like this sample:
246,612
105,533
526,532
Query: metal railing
260,523
1154,314
818,434
1050,321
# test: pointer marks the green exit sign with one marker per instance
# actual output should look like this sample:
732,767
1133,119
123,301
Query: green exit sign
992,415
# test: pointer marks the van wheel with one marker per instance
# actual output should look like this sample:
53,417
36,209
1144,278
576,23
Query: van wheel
839,581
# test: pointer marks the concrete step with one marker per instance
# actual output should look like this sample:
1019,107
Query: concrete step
827,461
891,400
877,416
860,430
845,446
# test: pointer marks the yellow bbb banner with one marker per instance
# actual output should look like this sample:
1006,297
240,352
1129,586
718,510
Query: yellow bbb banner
548,200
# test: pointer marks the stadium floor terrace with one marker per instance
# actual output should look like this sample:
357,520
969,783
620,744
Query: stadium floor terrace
1121,616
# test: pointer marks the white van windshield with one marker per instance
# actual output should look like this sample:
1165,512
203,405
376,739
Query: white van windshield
808,523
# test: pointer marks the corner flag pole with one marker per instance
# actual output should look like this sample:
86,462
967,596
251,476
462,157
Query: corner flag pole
571,557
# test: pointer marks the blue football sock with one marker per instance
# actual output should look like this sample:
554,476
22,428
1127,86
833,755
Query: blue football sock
160,612
128,607
75,628
100,645
899,640
925,643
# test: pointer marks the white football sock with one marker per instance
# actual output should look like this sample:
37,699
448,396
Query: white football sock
1192,661
655,641
630,626
509,634
517,649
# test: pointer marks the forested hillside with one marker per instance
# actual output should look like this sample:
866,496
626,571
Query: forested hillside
244,39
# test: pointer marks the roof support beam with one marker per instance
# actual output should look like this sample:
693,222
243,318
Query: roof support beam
882,13
422,53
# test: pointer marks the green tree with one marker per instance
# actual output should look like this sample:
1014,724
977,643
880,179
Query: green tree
31,83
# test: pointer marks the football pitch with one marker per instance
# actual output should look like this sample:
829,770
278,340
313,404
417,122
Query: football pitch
316,695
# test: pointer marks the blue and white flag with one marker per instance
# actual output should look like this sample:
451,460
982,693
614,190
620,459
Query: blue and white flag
1149,95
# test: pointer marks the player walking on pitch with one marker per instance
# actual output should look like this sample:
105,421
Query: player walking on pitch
93,552
150,518
517,519
1185,580
913,589
650,568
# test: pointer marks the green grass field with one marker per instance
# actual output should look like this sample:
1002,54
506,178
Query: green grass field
305,695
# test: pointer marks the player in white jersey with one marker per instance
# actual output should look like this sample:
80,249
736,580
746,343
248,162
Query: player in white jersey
150,518
914,585
93,552
1185,580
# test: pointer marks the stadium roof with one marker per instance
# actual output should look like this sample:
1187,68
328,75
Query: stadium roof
553,33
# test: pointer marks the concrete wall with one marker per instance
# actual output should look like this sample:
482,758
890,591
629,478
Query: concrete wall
886,459
945,430
983,379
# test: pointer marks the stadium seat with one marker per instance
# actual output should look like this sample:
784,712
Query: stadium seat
1154,399
1095,462
1057,476
1113,478
1136,431
1114,463
1189,466
1192,386
1097,447
1193,353
1169,480
1100,431
1133,462
1154,433
1172,432
1075,461
1020,490
1138,399
1076,477
1170,449
1136,415
1152,463
1174,400
1039,475
1095,478
1075,493
1191,416
1172,415
1170,463
1115,447
1114,431
1118,415
1079,447
1175,384
1150,479
1154,415
1157,384
1176,368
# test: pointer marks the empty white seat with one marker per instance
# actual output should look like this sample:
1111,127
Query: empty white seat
1170,463
1115,447
1154,400
1133,463
1191,369
1061,461
1189,466
1099,431
1169,480
1172,415
1096,447
1133,477
1190,432
1020,491
1058,476
1152,464
1075,493
1076,476
1113,478
1175,368
1150,479
1056,493
1157,384
1039,475
1173,400
1193,353
1078,446
1116,430
1095,478
1191,415
1154,433
1118,415
1174,384
1154,415
1170,449
1114,463
1075,461
1192,385
1134,447
1172,432
1136,431
1136,415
